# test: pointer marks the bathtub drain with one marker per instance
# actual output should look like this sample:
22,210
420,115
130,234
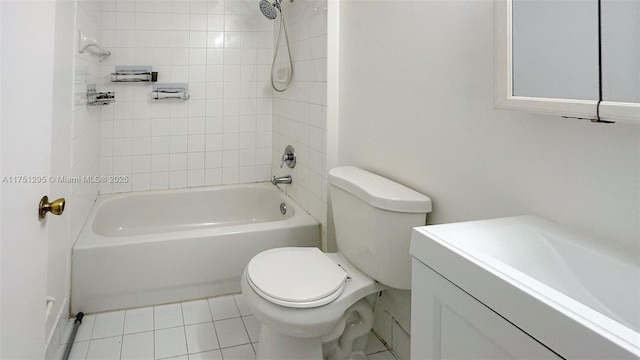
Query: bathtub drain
283,208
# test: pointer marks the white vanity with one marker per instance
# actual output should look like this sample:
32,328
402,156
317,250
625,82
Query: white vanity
522,288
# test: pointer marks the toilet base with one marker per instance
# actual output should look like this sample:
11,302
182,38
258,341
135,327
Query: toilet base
347,342
276,346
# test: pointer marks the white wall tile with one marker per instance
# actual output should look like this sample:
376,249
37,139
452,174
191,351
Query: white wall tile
144,6
213,177
198,22
140,164
198,7
298,116
213,159
195,161
180,21
125,5
159,163
213,142
177,179
125,20
169,145
160,180
162,6
143,21
177,161
161,37
180,39
180,6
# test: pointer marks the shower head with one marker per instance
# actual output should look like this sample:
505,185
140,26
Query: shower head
268,9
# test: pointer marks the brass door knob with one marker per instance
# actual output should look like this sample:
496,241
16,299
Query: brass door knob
56,207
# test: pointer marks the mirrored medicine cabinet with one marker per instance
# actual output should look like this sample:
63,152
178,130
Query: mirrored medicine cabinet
573,58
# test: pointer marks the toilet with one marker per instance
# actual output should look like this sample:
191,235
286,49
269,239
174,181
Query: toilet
307,300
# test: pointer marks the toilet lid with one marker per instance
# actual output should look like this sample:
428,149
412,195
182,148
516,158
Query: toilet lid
296,277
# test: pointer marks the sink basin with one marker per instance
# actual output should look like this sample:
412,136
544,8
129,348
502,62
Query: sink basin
558,286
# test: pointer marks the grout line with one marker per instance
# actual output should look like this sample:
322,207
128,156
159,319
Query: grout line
153,323
214,325
184,330
184,336
246,330
124,320
121,343
93,326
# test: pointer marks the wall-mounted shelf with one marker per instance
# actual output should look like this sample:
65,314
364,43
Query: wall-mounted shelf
86,43
134,74
95,98
170,91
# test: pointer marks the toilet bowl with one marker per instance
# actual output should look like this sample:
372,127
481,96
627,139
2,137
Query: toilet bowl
297,332
310,322
304,297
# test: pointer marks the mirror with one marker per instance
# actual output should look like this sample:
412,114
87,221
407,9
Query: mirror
555,49
547,57
621,50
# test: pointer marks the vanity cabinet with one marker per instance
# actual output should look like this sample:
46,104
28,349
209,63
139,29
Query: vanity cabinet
448,323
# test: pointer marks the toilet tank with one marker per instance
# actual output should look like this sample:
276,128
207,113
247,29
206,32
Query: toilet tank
373,218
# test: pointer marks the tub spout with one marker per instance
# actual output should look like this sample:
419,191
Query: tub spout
281,180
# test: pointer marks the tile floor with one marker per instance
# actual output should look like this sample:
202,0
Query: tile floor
216,328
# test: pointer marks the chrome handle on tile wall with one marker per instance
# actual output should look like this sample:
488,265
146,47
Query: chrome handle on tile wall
289,157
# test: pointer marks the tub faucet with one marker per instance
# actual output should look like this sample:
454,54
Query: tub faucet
281,180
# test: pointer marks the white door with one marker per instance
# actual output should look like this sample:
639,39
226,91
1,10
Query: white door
26,62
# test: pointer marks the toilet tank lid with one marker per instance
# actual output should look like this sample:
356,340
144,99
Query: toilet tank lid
378,191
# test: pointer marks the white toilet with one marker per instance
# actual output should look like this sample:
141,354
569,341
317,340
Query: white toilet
305,298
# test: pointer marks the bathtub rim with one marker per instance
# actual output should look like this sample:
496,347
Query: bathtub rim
497,278
88,238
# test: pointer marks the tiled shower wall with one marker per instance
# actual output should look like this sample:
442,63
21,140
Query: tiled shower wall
300,113
222,135
85,132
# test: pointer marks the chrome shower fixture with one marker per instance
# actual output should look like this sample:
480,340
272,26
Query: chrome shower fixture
268,9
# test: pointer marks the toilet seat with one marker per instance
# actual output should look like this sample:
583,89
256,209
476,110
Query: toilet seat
296,277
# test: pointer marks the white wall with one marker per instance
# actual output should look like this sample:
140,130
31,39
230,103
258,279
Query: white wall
300,113
222,134
416,89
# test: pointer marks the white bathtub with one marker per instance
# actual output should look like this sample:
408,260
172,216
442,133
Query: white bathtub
149,248
571,293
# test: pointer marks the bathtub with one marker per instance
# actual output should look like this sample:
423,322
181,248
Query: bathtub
156,247
577,296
